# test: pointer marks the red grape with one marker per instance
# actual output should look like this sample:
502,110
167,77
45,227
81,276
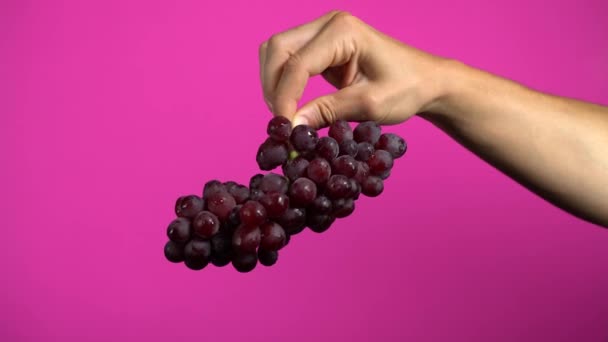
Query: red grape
372,186
252,213
267,258
275,203
367,131
340,130
304,138
205,225
274,182
349,147
295,168
273,236
327,148
379,162
364,151
302,192
188,206
344,165
338,186
179,230
319,171
246,238
279,129
221,203
393,144
174,251
271,154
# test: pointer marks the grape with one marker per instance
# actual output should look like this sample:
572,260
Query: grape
252,213
274,182
255,194
293,220
220,260
267,258
319,223
288,237
364,151
246,238
384,175
349,147
188,206
212,187
221,249
321,205
319,171
367,131
179,230
343,207
302,192
304,138
279,129
372,186
308,155
174,251
362,171
271,154
344,165
230,185
295,168
196,254
195,264
273,236
379,162
205,225
244,262
240,193
221,203
275,203
197,249
393,144
338,186
340,130
355,188
327,148
221,243
255,181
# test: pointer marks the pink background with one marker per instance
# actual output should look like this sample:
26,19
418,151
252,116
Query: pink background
112,109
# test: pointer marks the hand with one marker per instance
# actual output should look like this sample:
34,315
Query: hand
378,77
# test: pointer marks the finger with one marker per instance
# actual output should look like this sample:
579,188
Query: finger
262,58
354,103
332,47
281,46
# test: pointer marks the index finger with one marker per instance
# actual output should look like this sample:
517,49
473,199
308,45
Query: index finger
280,47
332,46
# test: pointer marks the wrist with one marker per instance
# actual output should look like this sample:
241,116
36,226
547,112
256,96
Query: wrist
446,81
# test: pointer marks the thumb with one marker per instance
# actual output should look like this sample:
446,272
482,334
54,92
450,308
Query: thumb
354,103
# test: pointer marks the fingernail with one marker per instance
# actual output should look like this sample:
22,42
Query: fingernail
300,120
269,105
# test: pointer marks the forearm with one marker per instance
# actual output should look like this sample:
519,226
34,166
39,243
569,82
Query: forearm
556,147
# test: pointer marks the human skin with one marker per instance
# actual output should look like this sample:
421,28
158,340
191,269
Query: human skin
557,147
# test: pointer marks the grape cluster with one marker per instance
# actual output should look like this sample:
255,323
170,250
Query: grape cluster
322,178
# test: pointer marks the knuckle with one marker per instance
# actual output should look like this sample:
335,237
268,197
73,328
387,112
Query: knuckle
345,20
294,63
333,13
276,42
263,47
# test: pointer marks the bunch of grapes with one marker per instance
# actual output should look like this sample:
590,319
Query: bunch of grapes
322,178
